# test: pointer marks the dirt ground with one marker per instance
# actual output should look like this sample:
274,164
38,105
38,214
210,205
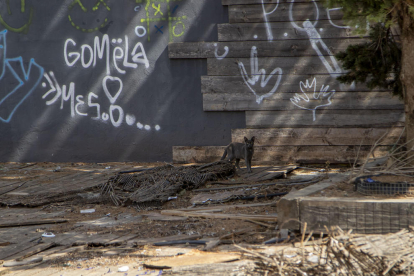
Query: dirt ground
150,224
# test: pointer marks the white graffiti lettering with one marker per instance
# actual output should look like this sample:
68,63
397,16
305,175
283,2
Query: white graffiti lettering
101,50
268,27
112,86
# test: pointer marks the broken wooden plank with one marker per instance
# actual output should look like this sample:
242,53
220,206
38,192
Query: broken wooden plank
138,242
320,136
245,174
32,222
243,267
220,216
23,262
14,249
32,251
227,207
121,240
287,48
325,118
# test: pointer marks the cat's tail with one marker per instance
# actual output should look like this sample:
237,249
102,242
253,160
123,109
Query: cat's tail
224,154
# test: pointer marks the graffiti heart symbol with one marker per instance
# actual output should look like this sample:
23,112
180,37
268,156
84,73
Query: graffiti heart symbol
256,74
111,98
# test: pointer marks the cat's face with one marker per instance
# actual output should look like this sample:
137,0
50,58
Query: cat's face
249,143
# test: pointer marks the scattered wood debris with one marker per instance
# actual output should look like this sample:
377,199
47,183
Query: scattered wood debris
340,253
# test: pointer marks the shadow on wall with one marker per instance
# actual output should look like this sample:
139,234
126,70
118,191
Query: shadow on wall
128,103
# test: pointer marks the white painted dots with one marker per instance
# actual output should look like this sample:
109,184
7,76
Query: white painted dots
147,127
130,119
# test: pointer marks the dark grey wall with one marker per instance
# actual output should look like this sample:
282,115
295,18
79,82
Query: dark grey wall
161,102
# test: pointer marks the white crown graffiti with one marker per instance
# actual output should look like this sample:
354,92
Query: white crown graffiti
316,100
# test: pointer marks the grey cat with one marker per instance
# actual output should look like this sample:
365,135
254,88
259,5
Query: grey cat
240,151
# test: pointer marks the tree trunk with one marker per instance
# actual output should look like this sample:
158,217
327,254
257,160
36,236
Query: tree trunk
407,72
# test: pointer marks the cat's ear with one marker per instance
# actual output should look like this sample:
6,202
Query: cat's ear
252,139
245,139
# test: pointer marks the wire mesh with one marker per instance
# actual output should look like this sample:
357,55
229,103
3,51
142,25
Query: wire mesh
366,185
153,187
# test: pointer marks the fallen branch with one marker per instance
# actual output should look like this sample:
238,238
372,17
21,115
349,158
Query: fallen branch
219,216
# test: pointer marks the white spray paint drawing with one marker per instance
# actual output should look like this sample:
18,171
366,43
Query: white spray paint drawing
78,105
220,57
314,101
316,41
112,99
328,12
256,74
268,27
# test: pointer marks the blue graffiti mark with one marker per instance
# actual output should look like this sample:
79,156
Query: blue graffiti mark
159,29
174,9
27,74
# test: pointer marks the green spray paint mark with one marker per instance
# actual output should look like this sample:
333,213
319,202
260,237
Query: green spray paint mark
23,29
169,19
94,8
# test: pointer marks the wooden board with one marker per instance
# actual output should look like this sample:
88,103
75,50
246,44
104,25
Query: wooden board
288,48
228,85
319,136
300,12
325,118
280,154
288,207
356,213
307,65
280,31
244,2
13,249
289,101
47,186
264,174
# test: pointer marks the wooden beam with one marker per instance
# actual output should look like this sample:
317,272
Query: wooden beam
355,214
288,207
280,31
246,2
319,136
32,222
325,118
287,84
306,65
219,216
286,101
301,12
288,48
280,154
